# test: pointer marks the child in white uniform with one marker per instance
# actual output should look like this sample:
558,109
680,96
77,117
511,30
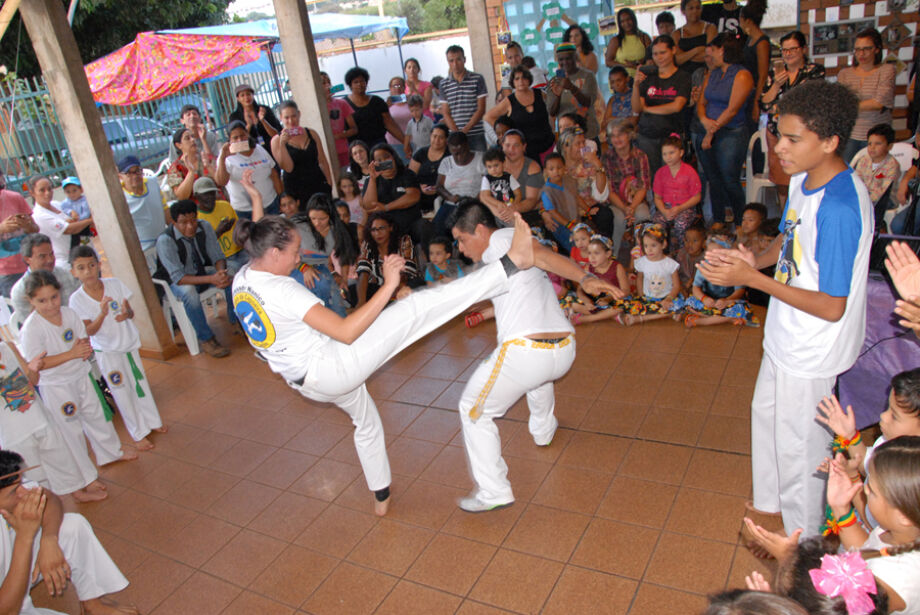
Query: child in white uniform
24,427
66,384
103,306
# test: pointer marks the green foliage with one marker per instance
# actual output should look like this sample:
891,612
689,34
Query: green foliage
102,26
421,15
443,15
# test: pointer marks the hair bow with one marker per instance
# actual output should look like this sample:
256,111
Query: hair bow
846,575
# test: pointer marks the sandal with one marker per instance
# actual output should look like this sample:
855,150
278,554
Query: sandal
472,319
690,320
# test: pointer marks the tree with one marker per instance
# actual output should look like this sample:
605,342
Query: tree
102,26
443,15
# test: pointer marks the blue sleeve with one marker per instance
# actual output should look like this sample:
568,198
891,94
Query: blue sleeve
211,243
168,254
547,202
839,229
428,277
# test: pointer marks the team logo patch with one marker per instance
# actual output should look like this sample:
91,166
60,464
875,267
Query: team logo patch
255,321
115,378
113,305
68,335
69,408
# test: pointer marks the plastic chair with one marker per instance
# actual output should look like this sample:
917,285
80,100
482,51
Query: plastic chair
755,183
857,156
905,153
174,308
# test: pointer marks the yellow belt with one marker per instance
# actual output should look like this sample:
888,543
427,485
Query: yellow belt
476,410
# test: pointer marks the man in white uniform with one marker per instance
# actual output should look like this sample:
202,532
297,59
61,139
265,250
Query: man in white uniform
536,347
67,549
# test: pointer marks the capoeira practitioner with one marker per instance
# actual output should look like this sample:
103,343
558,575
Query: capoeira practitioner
67,549
328,358
536,346
25,427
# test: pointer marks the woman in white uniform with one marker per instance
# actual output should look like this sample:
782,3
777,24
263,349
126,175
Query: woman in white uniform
328,358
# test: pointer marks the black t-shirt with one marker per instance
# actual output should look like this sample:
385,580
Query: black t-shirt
656,91
389,190
723,19
427,171
369,120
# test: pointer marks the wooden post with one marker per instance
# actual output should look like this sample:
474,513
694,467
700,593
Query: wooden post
57,53
306,82
477,23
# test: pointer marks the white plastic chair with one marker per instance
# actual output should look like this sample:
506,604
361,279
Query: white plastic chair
755,183
173,306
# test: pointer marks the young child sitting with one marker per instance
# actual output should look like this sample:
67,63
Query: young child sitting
750,233
73,398
710,304
677,191
690,254
441,268
878,169
351,194
589,308
107,315
499,190
581,236
75,204
656,279
418,130
559,208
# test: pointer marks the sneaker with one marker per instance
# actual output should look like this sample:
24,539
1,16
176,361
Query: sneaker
549,440
213,348
473,504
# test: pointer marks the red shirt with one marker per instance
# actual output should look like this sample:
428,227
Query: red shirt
12,203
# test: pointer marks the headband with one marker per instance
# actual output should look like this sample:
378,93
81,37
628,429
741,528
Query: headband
581,226
604,240
655,230
724,243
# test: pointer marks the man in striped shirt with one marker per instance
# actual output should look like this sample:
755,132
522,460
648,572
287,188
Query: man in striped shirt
463,99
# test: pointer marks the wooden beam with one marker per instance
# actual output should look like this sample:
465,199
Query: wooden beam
6,15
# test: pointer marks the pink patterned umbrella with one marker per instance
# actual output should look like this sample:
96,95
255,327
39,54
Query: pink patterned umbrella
157,65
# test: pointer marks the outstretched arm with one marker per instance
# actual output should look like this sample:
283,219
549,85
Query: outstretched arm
564,267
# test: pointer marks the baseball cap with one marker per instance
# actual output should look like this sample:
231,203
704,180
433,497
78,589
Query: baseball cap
243,87
203,185
71,181
127,162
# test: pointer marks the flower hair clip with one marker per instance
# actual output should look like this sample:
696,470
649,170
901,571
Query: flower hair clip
846,575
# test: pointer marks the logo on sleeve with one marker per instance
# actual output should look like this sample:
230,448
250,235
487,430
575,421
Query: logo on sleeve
68,335
255,321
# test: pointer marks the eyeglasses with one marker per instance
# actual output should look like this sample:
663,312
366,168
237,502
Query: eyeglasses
863,49
379,229
134,171
789,49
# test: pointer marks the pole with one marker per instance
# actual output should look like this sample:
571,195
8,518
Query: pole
271,63
402,62
354,54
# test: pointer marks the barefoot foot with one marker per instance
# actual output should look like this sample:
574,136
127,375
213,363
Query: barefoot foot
85,495
97,485
161,429
143,445
127,455
381,508
106,606
521,250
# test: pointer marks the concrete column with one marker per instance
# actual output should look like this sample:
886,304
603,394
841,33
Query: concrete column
303,72
477,23
56,50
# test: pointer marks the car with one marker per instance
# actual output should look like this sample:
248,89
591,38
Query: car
167,112
135,135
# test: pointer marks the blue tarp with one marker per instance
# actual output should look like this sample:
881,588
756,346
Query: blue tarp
324,26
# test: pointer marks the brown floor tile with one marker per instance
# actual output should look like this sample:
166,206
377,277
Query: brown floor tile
419,390
733,401
547,532
583,382
491,527
451,564
391,547
570,411
750,348
288,516
745,563
350,589
710,342
411,599
574,489
450,398
318,438
244,457
672,426
425,504
169,475
589,353
159,521
665,463
336,531
160,579
521,444
690,367
614,417
517,582
616,548
326,479
656,600
638,501
526,476
243,502
445,367
239,421
256,550
201,594
202,489
471,607
248,603
598,452
434,425
382,384
742,372
196,542
127,555
631,388
685,395
449,468
294,575
206,448
588,592
467,346
690,564
707,514
345,452
643,364
282,468
722,472
408,362
411,456
726,433
397,416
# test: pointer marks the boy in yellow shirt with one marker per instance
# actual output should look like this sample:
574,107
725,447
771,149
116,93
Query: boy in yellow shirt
220,215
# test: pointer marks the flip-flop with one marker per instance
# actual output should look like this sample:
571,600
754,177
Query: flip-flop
472,319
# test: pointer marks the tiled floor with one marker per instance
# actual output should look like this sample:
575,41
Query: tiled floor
254,502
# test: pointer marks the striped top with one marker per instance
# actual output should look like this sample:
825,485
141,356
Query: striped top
462,98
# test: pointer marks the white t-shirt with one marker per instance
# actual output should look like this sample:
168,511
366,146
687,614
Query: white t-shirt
530,305
112,336
53,225
827,238
271,310
22,414
262,165
38,336
900,572
463,180
657,276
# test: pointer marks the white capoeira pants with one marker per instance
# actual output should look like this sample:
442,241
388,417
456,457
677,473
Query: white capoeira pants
61,469
517,367
140,414
337,372
92,571
788,445
76,410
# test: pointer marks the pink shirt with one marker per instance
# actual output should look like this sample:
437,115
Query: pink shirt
12,203
674,190
337,121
